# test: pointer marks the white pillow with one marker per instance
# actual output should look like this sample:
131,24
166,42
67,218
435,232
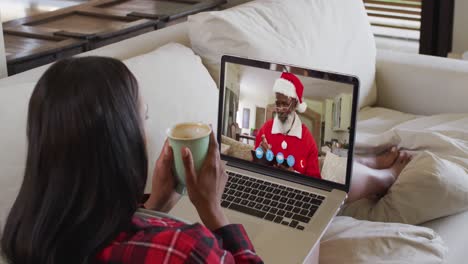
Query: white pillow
14,100
330,35
377,120
177,88
352,241
429,187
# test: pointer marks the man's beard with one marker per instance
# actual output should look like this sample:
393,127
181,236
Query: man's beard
288,119
287,123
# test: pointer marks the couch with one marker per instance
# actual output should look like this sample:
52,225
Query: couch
416,84
3,66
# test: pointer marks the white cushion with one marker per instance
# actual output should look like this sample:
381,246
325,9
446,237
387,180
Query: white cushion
352,241
3,64
421,84
330,35
177,88
429,187
454,231
14,100
334,168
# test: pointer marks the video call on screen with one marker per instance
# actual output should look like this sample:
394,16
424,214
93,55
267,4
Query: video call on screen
267,121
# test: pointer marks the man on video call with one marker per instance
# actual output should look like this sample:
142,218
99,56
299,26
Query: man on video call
285,137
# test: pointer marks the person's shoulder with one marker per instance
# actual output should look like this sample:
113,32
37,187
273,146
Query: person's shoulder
308,138
306,132
268,124
265,129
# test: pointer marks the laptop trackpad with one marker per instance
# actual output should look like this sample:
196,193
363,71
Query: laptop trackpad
251,224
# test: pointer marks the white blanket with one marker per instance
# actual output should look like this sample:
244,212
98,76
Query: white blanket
445,134
435,183
353,241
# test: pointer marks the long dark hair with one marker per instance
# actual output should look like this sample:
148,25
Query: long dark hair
86,166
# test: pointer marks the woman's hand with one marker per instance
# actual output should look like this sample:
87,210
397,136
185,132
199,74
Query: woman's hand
206,188
163,196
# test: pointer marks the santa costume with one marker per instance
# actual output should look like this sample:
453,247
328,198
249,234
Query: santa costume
291,142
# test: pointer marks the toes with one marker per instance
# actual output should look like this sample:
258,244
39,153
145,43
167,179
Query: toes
391,155
406,157
404,160
410,157
394,152
401,158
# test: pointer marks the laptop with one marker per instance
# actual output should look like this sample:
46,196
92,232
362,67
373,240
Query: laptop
280,151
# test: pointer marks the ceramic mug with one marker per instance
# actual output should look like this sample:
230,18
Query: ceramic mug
196,137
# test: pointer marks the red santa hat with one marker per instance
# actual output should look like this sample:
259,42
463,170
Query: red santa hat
289,85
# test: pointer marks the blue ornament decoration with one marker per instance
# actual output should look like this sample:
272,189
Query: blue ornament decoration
269,155
259,153
280,158
291,161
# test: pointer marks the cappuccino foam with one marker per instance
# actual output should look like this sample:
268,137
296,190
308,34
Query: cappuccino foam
189,131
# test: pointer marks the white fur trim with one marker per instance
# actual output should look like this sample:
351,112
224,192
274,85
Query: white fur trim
285,87
295,129
301,108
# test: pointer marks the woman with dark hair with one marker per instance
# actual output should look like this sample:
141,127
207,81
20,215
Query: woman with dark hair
85,175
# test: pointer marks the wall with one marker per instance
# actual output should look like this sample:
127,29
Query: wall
460,32
327,110
251,101
233,78
315,106
231,94
3,67
329,133
249,105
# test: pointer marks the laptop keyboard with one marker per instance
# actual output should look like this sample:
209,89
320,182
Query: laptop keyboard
277,203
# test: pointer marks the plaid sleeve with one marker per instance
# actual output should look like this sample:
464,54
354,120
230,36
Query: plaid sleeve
233,247
161,240
235,240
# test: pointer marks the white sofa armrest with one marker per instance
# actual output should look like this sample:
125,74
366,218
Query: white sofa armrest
3,65
421,84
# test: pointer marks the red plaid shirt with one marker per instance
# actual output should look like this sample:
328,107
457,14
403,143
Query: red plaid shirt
164,240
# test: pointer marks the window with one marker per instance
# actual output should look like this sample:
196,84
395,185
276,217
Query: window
395,18
419,26
396,23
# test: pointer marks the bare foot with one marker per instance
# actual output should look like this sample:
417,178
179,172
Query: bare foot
381,161
403,159
385,178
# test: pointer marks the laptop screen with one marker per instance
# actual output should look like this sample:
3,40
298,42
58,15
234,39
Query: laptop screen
289,119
